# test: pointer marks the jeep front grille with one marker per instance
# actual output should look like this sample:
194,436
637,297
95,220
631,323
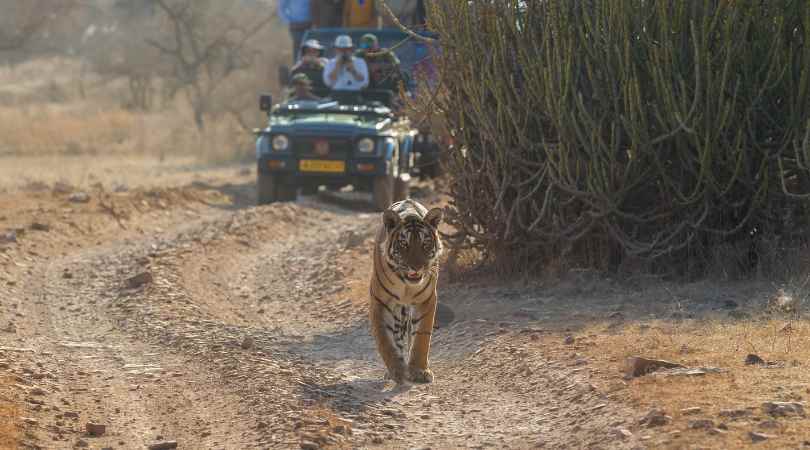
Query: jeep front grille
304,147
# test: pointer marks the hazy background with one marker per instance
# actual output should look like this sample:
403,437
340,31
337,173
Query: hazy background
146,79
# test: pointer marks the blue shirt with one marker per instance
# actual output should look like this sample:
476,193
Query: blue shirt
294,11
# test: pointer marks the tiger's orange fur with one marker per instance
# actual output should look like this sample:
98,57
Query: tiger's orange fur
403,289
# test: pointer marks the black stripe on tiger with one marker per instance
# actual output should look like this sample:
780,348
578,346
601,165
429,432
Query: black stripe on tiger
416,321
395,297
387,308
378,259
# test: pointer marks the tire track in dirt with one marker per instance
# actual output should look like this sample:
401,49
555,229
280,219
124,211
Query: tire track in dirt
251,332
84,369
310,289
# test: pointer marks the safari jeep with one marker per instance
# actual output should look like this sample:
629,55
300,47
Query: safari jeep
415,64
351,138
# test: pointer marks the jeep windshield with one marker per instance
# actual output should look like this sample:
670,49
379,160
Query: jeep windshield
414,55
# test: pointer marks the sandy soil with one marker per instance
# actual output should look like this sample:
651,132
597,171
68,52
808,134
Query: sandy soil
180,312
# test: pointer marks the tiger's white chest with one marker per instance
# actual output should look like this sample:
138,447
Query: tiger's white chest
408,293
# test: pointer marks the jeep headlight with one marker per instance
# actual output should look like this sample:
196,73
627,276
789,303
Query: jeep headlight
280,142
365,145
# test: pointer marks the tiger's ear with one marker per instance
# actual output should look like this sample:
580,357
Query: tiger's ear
390,219
434,217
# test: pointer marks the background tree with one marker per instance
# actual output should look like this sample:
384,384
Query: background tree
205,43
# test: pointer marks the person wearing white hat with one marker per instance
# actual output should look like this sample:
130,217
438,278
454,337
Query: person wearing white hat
311,63
345,72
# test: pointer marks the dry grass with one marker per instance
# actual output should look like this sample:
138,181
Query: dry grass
54,129
111,171
9,418
42,113
83,128
714,344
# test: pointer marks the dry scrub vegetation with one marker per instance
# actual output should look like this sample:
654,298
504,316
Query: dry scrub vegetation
724,345
116,88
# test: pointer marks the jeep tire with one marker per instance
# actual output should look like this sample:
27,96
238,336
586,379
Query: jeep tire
271,189
402,187
286,192
430,166
266,189
382,192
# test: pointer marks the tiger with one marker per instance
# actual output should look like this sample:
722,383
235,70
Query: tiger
403,289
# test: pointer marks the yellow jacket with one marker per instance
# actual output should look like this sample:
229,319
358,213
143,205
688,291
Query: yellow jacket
360,14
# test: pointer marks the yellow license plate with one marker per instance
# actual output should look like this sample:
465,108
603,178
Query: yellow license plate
315,165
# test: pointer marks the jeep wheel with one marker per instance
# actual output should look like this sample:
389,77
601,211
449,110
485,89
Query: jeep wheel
382,194
402,187
266,189
430,168
286,192
271,189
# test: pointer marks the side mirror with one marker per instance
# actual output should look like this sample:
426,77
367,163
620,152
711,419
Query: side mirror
283,75
266,102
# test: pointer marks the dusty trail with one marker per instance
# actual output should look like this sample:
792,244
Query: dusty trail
247,329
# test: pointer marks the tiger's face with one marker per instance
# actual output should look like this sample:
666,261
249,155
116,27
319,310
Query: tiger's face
412,246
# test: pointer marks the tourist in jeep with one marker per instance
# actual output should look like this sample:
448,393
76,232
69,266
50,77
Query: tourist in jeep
383,64
311,63
302,89
345,72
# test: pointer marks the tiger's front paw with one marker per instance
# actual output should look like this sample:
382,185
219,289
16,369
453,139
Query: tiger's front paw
420,375
397,375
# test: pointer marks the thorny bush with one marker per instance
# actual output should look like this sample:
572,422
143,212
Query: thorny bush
597,132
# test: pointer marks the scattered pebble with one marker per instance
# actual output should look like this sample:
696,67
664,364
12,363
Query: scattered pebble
39,226
734,413
95,429
758,437
79,197
623,433
783,409
61,187
139,280
701,424
637,366
753,359
10,236
656,418
38,391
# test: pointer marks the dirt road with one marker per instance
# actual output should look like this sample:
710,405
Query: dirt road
186,314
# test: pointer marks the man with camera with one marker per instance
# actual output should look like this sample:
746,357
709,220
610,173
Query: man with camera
345,72
312,64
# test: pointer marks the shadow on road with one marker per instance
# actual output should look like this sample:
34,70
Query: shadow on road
354,396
